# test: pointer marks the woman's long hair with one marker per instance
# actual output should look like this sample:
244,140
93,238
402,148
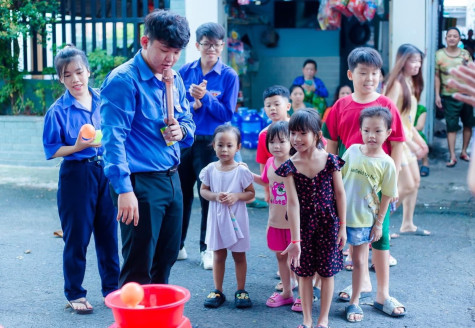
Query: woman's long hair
404,52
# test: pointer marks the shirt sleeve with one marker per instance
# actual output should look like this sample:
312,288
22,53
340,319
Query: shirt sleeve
223,109
389,183
52,132
246,177
204,175
330,126
320,88
262,154
185,118
117,112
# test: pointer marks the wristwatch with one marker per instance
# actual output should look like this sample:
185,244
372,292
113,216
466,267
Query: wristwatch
184,131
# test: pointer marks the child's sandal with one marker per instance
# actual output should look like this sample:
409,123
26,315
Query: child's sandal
242,300
215,299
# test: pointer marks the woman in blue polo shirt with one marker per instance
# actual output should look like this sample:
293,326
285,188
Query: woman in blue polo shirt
84,202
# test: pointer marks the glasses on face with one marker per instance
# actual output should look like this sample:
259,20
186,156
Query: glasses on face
208,46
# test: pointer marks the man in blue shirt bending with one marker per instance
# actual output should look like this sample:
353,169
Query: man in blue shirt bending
212,89
138,162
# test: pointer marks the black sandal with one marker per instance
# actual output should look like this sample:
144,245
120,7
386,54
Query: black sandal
242,300
215,299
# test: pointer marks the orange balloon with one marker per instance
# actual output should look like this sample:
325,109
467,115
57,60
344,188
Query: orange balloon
88,131
131,294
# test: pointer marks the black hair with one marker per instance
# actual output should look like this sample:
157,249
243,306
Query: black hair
67,55
306,120
212,31
364,56
337,92
278,129
310,61
454,28
227,128
377,111
276,90
295,86
168,28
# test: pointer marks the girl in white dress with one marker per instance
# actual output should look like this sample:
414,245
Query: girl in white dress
227,185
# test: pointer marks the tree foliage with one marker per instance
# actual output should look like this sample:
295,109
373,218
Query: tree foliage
20,18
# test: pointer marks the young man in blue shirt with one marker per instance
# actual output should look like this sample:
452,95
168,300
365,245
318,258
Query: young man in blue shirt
139,163
212,90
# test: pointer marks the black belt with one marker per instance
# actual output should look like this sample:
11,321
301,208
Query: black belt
204,138
94,159
168,172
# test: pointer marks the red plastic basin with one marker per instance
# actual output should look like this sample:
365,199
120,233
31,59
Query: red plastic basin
163,307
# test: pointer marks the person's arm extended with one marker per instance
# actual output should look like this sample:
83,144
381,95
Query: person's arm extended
293,214
396,154
438,101
467,88
258,180
340,197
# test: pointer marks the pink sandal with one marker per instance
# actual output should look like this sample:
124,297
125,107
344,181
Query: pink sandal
297,306
277,300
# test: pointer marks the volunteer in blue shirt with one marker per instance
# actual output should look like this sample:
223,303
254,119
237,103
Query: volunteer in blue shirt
212,90
139,163
84,202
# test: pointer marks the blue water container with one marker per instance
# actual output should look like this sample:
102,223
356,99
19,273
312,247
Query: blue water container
265,119
237,120
250,127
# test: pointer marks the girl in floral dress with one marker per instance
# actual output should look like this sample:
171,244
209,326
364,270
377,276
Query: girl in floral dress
316,204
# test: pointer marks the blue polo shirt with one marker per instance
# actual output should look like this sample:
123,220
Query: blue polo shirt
133,111
220,99
62,123
320,89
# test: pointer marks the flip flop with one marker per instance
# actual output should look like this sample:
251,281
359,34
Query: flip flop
465,158
389,306
277,300
353,309
83,301
452,163
395,235
425,171
348,265
417,232
349,291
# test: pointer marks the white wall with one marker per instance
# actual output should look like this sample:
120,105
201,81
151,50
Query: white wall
200,12
415,22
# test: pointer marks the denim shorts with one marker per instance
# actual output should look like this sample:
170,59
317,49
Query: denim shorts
358,236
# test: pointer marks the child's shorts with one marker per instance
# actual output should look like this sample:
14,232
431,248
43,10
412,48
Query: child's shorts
358,236
278,239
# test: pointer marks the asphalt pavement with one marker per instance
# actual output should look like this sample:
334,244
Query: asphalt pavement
434,278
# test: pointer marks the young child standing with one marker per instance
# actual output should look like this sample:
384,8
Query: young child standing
342,130
227,185
316,212
277,106
368,171
84,202
278,228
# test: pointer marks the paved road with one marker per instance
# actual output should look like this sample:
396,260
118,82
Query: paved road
434,277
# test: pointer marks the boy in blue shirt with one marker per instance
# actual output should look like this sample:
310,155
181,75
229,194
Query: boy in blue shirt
212,90
140,161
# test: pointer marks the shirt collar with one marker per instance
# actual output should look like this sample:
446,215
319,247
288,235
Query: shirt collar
218,67
144,71
69,100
